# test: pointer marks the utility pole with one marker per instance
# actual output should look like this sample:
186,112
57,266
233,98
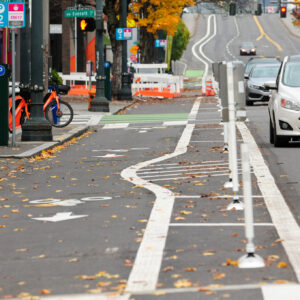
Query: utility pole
37,128
125,92
46,34
100,102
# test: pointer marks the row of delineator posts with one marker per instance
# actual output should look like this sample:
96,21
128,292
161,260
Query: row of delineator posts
229,82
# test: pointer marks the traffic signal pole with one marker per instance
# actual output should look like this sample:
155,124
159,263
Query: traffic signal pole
37,128
125,92
100,102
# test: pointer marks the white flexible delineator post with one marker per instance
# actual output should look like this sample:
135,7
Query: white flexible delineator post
250,260
236,204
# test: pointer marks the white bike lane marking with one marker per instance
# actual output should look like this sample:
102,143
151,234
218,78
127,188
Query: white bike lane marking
284,221
203,42
145,272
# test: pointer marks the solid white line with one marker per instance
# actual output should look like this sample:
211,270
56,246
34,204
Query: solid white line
210,128
181,173
145,272
283,219
188,177
217,141
202,42
94,120
220,287
115,126
216,224
270,292
182,170
203,162
220,196
174,123
282,291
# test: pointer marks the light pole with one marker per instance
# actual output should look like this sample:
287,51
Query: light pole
25,51
100,102
37,128
125,92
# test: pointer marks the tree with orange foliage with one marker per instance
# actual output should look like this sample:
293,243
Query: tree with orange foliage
153,16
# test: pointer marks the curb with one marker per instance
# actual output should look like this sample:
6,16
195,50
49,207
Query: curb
62,139
290,30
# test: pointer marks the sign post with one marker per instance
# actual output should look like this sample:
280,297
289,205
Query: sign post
12,15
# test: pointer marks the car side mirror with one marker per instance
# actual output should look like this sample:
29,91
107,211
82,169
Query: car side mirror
246,76
270,85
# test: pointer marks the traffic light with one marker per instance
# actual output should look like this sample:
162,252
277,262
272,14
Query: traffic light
259,9
87,24
232,8
283,12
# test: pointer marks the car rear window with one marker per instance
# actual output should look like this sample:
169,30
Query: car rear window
265,72
291,76
253,62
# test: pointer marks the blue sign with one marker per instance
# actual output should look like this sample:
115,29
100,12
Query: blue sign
2,71
123,34
12,15
160,43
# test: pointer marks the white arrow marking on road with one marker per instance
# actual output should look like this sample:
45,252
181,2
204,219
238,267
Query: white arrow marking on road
61,217
110,156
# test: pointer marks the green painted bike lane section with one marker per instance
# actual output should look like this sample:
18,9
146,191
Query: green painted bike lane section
143,118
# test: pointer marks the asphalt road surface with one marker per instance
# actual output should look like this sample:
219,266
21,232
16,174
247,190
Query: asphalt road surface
136,208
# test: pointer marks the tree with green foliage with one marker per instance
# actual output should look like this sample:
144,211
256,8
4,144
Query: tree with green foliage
180,41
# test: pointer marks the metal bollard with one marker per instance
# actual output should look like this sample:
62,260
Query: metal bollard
223,92
250,260
239,90
236,204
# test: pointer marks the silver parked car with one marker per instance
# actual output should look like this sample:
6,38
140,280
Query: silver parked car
284,104
255,89
259,60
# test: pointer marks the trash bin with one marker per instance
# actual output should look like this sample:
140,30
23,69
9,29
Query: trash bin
4,84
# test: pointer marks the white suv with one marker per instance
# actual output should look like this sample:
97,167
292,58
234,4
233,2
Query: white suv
284,103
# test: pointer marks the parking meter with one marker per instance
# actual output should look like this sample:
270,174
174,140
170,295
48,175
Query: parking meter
107,84
4,88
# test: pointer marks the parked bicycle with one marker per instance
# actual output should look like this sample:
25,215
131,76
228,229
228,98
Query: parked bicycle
58,112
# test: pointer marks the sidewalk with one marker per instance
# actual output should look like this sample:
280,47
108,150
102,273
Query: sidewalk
61,135
288,22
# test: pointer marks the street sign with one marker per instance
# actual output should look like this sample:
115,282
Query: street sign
2,71
123,34
12,15
81,13
160,43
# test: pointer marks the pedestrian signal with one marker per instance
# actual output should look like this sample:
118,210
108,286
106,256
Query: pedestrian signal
87,24
232,8
282,12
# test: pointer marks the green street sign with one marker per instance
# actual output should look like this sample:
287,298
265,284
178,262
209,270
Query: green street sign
82,13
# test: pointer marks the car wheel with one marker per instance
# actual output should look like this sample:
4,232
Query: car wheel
271,128
279,141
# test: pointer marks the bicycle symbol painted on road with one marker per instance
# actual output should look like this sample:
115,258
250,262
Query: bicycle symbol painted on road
67,202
